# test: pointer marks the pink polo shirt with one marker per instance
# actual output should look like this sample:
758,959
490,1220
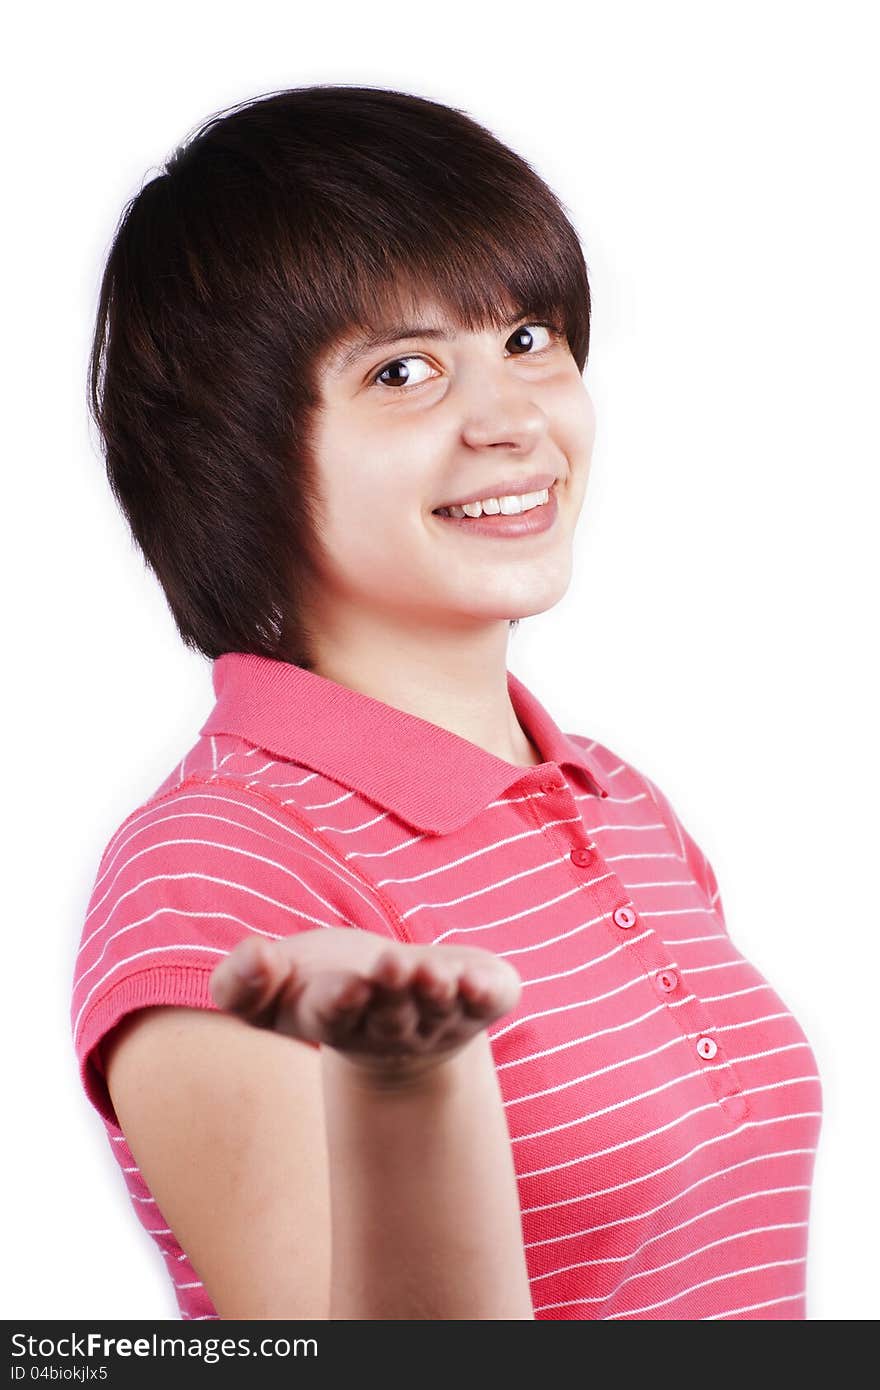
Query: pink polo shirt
663,1104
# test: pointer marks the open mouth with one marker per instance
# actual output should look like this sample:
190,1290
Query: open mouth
459,514
504,525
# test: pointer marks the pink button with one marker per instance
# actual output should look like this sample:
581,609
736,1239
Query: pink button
624,916
667,981
581,857
707,1047
549,787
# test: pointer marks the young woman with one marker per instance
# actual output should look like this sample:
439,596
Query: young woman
396,1000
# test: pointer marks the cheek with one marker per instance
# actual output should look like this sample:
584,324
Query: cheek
377,486
371,528
575,423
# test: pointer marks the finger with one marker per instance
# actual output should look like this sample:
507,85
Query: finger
335,1000
435,984
435,994
249,975
353,995
502,979
483,996
392,971
228,988
474,985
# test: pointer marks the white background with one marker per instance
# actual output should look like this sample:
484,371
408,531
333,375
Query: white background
719,164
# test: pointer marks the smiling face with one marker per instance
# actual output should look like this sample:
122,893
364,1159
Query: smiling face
435,415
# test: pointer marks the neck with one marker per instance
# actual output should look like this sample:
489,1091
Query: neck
455,676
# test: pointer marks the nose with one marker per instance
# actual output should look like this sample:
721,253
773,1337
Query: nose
504,417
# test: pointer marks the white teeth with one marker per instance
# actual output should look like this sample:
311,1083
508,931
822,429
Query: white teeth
511,506
491,506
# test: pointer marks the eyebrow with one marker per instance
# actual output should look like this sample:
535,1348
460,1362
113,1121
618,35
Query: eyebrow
395,333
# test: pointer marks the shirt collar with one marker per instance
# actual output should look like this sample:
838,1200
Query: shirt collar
433,779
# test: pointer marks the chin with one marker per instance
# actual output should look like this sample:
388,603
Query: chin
531,607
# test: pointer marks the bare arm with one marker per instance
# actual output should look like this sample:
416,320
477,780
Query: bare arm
226,1124
263,1152
425,1211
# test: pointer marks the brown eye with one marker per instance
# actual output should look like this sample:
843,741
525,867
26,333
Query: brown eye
398,379
524,338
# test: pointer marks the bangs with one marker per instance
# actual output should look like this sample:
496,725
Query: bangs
480,270
475,284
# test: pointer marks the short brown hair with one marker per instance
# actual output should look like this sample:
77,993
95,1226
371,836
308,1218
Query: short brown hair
275,230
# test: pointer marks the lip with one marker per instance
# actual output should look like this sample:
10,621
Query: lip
530,523
505,487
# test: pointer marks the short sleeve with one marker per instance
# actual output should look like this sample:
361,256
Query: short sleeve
180,883
689,851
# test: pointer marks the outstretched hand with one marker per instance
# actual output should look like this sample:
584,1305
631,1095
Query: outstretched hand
381,1003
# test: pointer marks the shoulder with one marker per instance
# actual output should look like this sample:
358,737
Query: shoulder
628,782
621,776
206,860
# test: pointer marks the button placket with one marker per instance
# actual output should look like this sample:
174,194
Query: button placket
582,856
623,923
